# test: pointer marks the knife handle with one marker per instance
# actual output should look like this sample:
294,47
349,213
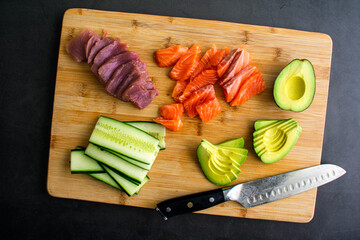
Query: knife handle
190,203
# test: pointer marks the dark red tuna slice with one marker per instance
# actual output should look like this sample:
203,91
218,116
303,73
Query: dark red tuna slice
108,68
140,96
132,76
103,42
90,43
76,46
106,53
119,75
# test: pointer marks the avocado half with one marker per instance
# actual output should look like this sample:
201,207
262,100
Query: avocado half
220,163
273,139
294,88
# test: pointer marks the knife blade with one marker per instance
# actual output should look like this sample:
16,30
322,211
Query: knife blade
254,193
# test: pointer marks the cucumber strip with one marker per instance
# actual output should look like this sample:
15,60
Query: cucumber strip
111,160
80,163
125,139
106,178
155,129
129,187
133,161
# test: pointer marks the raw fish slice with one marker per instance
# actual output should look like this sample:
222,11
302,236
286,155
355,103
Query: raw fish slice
208,110
179,89
172,111
197,98
225,63
255,84
140,95
105,53
90,43
233,85
204,62
76,46
205,78
169,56
120,74
174,125
97,47
132,76
186,64
240,61
219,56
108,68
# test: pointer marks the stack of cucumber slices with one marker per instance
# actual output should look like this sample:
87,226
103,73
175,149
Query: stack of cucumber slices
120,153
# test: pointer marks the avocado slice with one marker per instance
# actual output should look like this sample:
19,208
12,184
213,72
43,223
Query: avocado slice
220,164
235,142
273,139
294,88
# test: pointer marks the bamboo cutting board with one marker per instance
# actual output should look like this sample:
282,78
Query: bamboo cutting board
80,99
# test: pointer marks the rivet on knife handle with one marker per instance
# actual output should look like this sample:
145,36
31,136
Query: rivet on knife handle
190,203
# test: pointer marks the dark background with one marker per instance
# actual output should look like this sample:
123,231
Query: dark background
29,41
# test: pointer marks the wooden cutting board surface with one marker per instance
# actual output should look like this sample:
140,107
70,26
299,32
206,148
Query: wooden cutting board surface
80,99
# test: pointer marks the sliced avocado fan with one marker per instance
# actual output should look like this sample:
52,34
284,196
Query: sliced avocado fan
220,163
273,139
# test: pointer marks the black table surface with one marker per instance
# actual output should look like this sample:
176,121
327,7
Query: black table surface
29,43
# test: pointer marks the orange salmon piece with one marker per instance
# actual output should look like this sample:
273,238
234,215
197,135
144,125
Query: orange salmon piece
206,77
197,98
186,65
172,111
179,89
208,110
204,62
233,85
174,125
168,57
255,84
240,61
225,63
219,56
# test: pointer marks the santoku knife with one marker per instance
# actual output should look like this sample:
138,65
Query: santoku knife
254,193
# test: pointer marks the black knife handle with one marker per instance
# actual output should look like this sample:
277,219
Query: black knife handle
190,203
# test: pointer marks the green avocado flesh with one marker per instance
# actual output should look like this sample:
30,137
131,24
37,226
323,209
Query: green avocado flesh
220,163
294,88
273,139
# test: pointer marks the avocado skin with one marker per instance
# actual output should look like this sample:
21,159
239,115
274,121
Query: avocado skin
311,78
273,139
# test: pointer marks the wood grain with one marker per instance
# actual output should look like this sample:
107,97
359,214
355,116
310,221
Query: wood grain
79,100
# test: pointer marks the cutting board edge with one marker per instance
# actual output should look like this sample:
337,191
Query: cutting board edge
78,11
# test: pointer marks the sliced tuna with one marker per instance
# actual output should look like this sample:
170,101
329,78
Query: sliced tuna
98,45
120,74
132,76
106,53
140,96
76,46
108,68
90,43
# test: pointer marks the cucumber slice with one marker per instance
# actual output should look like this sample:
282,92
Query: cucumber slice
129,187
155,129
80,163
133,161
105,177
111,160
125,139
